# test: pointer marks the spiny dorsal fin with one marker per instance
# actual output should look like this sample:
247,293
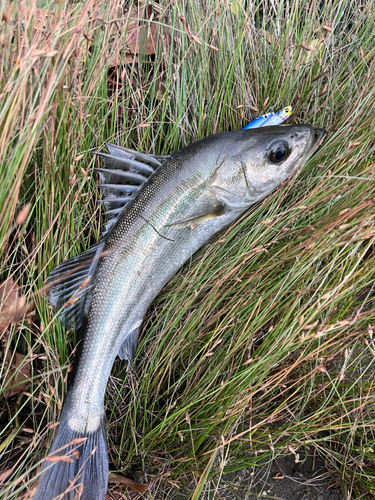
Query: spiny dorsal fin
153,160
126,164
68,285
123,173
113,176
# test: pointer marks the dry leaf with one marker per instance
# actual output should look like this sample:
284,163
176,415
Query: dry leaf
12,304
112,495
4,475
38,53
141,37
18,374
8,300
85,282
323,91
71,301
59,458
22,214
307,327
26,429
29,494
77,441
130,483
51,426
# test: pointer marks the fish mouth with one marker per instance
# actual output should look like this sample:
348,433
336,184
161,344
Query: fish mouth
314,142
318,138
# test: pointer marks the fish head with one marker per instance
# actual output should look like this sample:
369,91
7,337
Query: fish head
261,160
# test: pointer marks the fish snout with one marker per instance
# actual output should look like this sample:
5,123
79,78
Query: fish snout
319,135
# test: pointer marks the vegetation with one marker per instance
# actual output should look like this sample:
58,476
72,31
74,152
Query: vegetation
263,342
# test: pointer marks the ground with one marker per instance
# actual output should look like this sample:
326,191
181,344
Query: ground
287,480
283,479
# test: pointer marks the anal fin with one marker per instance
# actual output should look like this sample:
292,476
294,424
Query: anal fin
129,346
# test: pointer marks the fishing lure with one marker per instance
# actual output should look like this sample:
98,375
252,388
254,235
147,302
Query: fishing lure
273,118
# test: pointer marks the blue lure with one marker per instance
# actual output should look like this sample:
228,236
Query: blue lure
273,118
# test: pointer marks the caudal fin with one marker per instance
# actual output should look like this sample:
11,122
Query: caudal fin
84,471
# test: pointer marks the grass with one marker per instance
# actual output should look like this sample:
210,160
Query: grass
263,342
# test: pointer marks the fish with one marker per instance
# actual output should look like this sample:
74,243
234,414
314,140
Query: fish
273,118
160,211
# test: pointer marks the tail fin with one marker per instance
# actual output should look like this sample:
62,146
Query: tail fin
82,468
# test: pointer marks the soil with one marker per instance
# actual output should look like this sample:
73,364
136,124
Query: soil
283,479
289,477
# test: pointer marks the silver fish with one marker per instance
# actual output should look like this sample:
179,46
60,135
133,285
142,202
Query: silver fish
154,227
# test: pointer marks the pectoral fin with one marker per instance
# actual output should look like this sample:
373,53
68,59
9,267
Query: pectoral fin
194,221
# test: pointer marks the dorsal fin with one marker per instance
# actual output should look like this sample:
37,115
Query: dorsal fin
68,284
153,160
126,164
112,176
123,173
115,190
113,203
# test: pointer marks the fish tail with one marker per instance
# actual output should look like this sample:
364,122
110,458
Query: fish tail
77,464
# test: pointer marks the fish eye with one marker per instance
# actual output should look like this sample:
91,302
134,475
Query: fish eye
278,152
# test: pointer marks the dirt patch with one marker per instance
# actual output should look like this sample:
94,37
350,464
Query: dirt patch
282,479
285,479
